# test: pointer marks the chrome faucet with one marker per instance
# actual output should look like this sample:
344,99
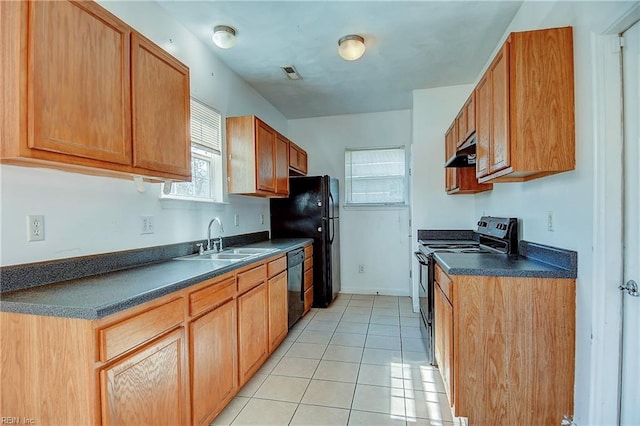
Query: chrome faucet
209,247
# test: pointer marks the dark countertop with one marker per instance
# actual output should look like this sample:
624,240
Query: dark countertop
101,295
490,264
534,259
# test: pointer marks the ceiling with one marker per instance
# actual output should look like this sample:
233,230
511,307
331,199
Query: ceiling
410,45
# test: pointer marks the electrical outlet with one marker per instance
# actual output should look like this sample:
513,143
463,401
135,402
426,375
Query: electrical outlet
236,219
35,228
361,269
551,225
261,218
146,225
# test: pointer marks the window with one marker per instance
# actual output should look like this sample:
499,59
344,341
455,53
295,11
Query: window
376,176
206,157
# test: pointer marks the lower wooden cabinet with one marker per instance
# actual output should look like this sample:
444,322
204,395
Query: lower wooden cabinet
308,278
443,312
148,386
511,343
214,366
253,347
278,312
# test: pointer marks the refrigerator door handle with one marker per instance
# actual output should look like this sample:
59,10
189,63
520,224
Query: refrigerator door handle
332,205
333,231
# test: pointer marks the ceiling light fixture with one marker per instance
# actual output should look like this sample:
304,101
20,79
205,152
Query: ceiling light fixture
224,36
351,47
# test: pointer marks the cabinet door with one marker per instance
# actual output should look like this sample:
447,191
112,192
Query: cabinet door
78,89
214,369
470,115
282,165
147,387
161,110
278,310
443,344
265,157
499,153
483,125
252,331
461,128
450,149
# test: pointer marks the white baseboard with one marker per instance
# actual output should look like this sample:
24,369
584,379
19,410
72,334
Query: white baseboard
380,292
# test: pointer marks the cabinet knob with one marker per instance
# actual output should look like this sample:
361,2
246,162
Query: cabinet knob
319,228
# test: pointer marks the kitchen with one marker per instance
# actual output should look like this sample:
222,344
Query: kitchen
97,215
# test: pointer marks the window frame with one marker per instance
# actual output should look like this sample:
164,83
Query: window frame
405,180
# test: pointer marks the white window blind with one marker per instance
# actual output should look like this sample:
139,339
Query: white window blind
205,126
376,176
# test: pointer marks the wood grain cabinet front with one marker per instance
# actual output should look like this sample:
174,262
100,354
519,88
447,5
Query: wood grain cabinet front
147,387
214,366
257,158
253,334
505,347
308,278
76,72
297,160
525,108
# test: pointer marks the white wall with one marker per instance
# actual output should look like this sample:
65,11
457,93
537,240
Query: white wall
378,239
88,215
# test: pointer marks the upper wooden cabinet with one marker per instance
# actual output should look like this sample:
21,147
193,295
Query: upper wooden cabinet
525,108
282,164
297,160
85,93
161,105
462,180
257,158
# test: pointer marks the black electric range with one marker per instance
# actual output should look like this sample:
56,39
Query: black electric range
492,235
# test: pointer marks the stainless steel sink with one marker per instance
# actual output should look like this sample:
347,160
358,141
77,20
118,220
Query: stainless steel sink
229,256
253,250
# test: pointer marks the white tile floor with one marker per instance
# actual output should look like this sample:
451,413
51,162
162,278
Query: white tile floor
359,362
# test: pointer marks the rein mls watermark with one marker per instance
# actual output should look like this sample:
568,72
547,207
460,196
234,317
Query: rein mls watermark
17,421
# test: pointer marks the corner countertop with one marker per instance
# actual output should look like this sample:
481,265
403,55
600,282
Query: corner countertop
490,264
105,294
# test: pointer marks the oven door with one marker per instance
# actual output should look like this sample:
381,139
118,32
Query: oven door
425,297
423,293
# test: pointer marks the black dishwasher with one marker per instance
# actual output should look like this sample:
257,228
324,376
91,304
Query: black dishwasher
295,284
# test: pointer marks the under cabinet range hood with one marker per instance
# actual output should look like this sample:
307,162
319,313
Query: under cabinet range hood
465,156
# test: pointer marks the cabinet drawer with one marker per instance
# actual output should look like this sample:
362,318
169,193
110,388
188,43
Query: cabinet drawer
443,281
276,266
308,299
308,251
127,334
308,263
214,295
308,279
251,278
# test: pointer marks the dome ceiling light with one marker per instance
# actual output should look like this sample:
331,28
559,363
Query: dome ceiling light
351,47
224,36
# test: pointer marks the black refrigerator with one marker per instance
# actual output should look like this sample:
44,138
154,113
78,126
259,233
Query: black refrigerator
312,211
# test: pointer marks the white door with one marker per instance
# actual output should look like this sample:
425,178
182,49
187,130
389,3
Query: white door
630,396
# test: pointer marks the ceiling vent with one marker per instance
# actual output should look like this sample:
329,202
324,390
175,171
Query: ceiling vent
291,72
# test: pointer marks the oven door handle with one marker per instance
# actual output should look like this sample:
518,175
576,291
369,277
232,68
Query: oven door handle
421,258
